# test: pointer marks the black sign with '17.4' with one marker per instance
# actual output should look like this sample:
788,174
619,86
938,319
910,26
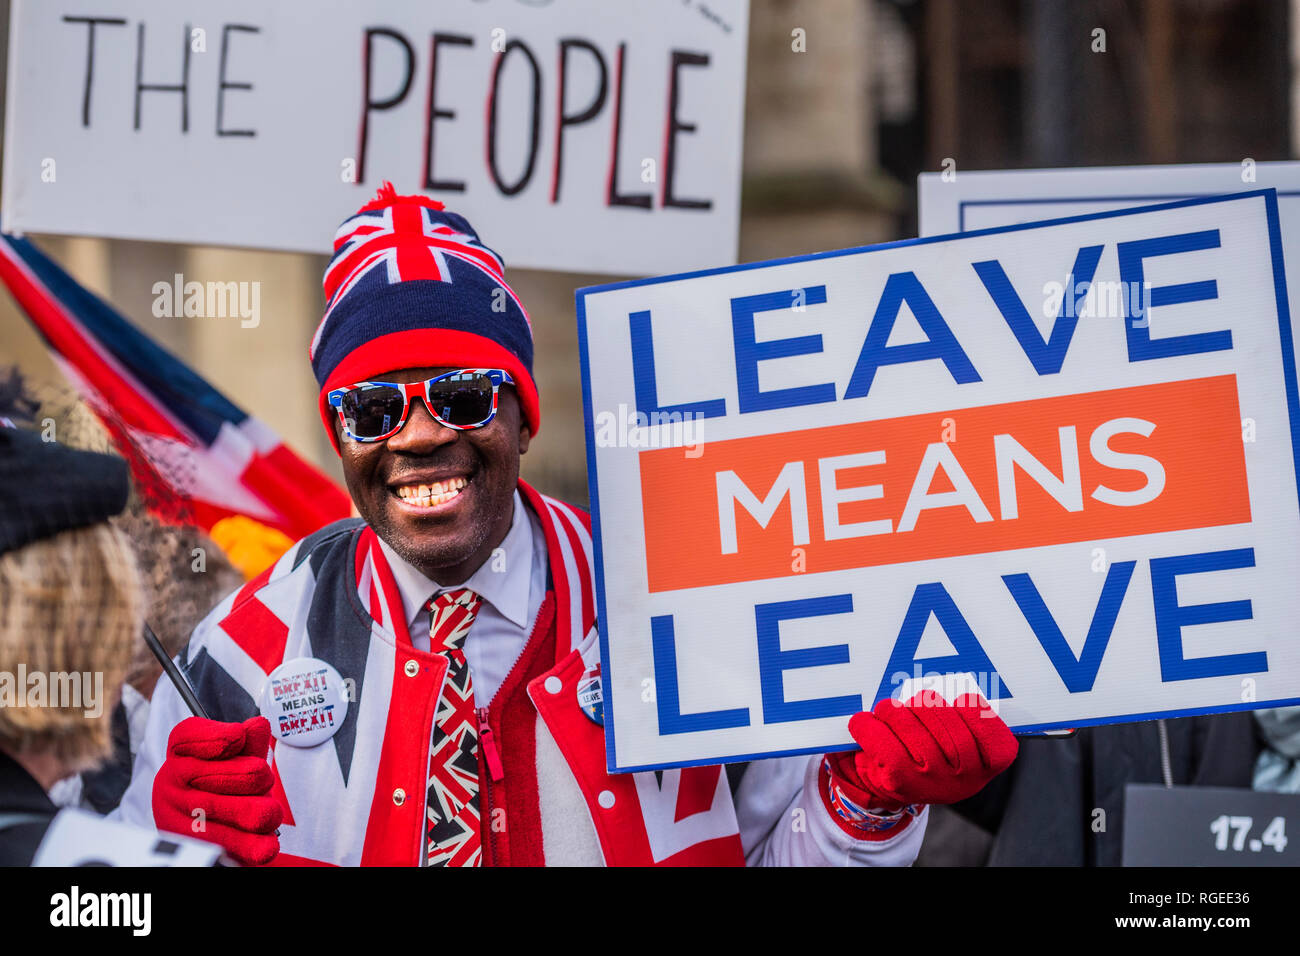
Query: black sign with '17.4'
1209,826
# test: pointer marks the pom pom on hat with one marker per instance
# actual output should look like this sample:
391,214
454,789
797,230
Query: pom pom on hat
386,195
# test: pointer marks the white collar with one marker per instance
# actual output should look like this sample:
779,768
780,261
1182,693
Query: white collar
502,580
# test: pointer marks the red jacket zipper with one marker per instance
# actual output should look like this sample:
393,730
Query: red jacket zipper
496,771
487,743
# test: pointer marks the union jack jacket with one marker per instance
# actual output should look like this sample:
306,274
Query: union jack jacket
545,796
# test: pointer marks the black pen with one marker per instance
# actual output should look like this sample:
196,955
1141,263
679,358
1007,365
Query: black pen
174,673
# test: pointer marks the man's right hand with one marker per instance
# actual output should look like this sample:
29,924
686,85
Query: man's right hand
220,769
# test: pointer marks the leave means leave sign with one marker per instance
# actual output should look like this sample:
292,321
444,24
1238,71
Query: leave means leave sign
1059,457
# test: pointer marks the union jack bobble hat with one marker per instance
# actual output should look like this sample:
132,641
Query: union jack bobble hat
411,285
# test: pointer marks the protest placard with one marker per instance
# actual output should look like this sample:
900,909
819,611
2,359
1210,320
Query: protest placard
573,138
961,200
816,479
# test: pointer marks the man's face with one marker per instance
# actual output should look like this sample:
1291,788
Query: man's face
439,497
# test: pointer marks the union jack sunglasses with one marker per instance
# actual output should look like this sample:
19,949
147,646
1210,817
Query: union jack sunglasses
463,399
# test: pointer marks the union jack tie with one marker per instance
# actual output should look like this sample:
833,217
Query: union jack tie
453,824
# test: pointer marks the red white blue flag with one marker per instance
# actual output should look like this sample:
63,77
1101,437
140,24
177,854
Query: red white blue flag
182,437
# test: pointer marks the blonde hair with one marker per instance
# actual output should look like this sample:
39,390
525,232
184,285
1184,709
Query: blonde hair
69,604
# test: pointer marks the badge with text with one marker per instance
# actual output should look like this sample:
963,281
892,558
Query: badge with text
589,696
305,702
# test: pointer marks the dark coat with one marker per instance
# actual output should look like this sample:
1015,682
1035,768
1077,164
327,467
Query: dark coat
20,793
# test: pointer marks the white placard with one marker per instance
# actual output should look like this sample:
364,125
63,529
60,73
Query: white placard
963,201
924,457
79,838
575,134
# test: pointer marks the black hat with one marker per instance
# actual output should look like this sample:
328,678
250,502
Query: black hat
46,487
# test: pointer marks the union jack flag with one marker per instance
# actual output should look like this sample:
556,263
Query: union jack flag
207,458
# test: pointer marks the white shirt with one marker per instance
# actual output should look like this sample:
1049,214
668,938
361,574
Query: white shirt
512,583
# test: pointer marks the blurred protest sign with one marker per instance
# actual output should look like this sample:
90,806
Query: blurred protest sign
961,201
818,478
574,138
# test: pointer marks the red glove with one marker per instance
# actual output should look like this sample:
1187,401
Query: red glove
924,751
220,768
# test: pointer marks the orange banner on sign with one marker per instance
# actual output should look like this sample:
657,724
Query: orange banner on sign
1023,474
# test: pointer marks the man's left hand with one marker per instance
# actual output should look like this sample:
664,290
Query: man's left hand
924,751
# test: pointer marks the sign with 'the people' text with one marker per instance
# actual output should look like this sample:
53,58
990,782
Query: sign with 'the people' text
572,136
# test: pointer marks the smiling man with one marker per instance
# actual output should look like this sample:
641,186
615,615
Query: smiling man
426,678
439,496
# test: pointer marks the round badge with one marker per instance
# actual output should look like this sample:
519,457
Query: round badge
304,701
589,696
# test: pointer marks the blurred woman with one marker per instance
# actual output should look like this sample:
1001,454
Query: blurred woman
71,612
